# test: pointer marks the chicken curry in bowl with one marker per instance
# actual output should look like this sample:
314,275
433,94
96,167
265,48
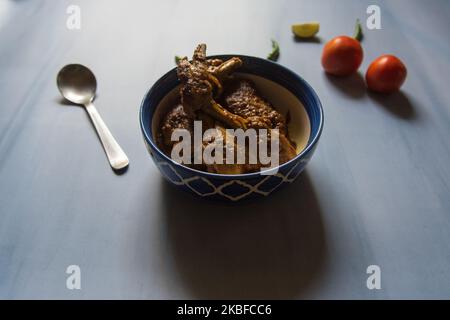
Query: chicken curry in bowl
214,93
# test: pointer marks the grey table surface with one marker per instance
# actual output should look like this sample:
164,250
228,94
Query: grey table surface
376,192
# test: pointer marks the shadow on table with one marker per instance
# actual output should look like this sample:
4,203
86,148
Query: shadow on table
352,86
270,248
314,39
64,102
396,103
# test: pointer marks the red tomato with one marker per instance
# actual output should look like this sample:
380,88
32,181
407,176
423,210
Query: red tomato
386,74
342,56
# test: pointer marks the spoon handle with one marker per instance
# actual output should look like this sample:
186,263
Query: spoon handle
117,158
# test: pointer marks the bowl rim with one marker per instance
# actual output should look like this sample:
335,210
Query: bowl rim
308,147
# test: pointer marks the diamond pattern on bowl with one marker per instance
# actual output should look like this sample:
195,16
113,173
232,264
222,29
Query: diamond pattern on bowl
235,189
199,183
270,183
171,173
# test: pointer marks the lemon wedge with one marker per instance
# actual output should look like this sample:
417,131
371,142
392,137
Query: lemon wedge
305,30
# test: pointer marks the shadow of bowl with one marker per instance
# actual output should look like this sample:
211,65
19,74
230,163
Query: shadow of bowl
267,249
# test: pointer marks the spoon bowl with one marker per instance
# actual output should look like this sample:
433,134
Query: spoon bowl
77,83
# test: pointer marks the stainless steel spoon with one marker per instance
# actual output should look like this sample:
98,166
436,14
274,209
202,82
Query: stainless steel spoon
77,84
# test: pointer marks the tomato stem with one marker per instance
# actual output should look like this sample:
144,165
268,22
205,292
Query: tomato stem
358,35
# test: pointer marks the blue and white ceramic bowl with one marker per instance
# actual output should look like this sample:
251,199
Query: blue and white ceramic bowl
287,91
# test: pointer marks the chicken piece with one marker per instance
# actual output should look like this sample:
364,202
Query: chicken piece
199,78
287,150
242,99
228,145
208,122
177,118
